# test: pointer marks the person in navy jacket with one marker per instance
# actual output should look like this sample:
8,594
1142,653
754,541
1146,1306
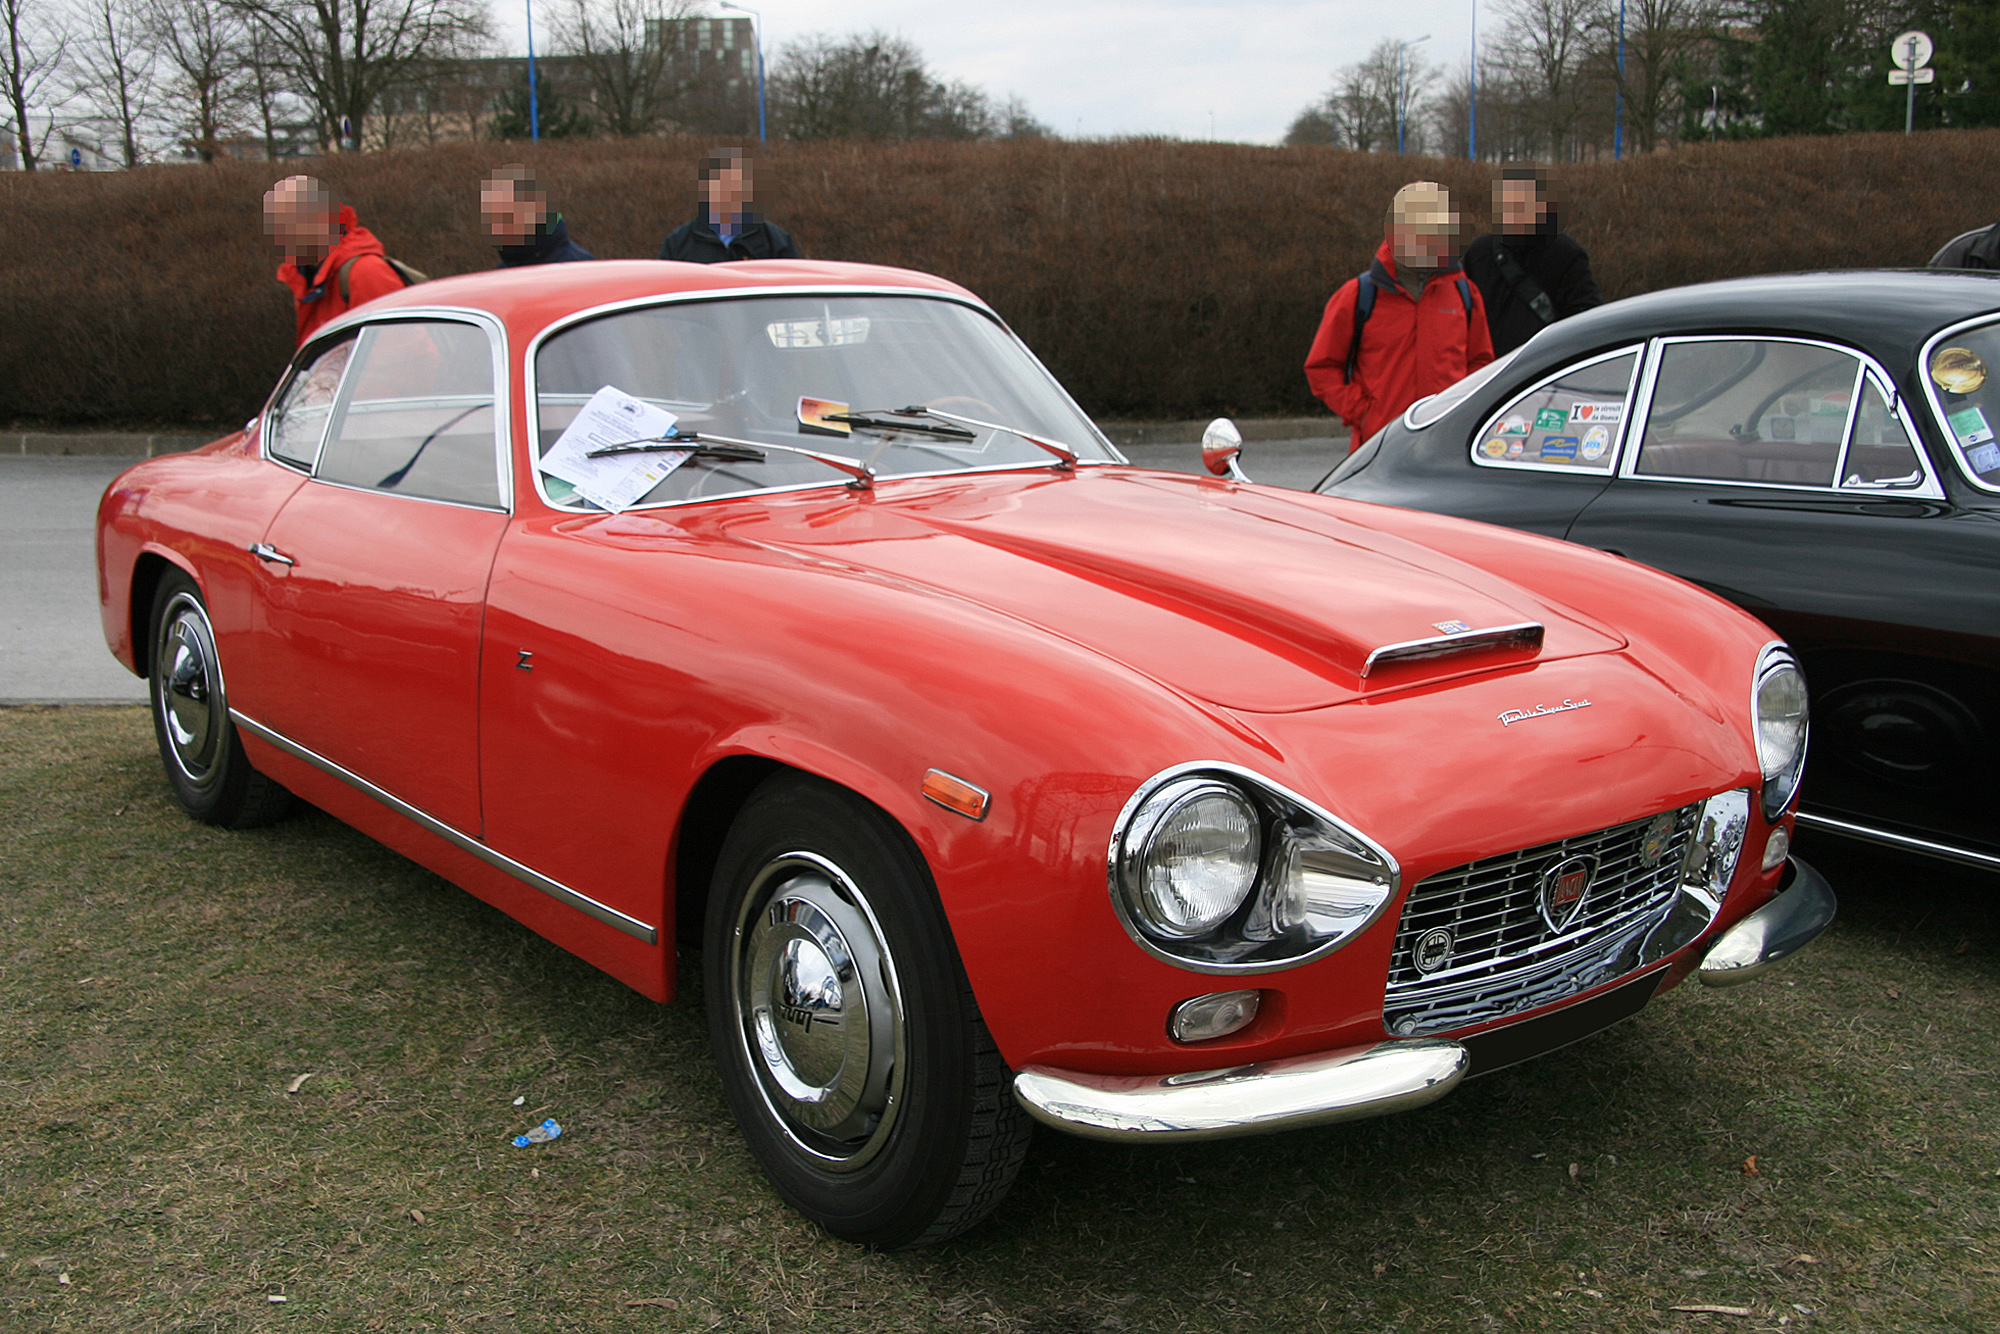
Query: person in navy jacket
516,212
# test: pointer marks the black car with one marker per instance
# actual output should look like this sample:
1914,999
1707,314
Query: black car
1817,448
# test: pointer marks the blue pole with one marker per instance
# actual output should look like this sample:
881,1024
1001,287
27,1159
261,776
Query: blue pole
1472,93
760,80
1618,106
1402,53
534,102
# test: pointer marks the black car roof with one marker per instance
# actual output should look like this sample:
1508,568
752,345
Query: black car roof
1886,311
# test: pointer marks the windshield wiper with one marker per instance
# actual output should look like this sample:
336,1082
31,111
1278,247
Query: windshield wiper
1065,456
694,444
875,423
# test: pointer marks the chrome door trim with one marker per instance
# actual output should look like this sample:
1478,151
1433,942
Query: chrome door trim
1937,404
1640,365
1902,842
534,879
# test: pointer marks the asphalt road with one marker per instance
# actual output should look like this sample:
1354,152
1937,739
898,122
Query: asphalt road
52,646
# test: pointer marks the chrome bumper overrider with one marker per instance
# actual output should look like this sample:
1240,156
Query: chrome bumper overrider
1803,908
1287,1094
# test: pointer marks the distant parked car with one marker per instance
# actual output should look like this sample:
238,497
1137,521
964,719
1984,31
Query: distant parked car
794,610
1817,448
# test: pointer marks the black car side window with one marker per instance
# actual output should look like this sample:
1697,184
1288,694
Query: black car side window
1569,423
1880,455
1758,410
299,418
416,416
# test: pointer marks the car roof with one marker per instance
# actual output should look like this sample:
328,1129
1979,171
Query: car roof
1886,311
531,296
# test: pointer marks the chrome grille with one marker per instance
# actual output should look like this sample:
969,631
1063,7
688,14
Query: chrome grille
1505,957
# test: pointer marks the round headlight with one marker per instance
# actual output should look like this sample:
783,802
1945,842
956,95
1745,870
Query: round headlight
1781,730
1190,857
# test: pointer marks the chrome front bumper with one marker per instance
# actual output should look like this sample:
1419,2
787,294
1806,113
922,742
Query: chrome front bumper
1392,1076
1803,908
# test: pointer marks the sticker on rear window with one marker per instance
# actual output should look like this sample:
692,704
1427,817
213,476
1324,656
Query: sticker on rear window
1560,447
1551,419
1984,459
1596,412
1969,425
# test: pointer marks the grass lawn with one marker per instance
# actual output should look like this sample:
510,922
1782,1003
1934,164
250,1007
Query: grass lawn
1820,1149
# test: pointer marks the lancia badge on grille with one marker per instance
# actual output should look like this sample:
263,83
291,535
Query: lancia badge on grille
1563,888
1433,950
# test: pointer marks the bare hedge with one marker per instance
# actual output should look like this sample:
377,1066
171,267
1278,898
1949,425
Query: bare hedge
1156,278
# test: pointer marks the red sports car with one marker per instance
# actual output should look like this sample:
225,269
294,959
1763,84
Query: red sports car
794,610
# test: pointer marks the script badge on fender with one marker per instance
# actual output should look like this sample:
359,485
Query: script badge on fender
1563,888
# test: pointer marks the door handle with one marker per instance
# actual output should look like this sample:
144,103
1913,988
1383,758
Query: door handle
264,551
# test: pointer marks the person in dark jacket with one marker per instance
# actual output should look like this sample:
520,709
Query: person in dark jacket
1976,249
724,227
516,212
1530,271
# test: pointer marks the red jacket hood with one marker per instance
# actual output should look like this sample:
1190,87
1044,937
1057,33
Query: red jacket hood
355,241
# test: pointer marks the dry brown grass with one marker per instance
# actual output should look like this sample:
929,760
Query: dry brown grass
1156,278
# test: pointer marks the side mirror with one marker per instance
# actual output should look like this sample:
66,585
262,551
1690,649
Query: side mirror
1220,444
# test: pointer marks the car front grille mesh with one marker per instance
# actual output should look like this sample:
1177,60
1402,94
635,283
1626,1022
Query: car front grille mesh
1503,957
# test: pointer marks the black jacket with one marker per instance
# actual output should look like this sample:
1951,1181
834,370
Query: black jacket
1976,249
1551,258
549,245
697,243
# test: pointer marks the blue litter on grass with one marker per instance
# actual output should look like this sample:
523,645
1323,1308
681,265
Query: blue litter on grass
541,1134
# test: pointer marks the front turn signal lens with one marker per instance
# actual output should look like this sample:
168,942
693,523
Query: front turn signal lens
1217,1015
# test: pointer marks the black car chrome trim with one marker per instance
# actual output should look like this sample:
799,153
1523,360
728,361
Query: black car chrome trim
1527,634
1990,318
533,398
1640,364
534,879
1905,842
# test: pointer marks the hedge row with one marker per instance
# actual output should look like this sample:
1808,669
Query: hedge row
1156,278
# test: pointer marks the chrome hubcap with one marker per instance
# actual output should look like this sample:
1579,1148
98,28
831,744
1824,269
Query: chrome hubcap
189,689
819,1010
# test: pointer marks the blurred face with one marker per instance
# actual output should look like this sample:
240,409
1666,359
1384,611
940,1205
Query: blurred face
1425,235
301,219
511,216
726,192
1519,206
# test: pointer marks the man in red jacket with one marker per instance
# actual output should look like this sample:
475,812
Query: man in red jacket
332,263
1405,329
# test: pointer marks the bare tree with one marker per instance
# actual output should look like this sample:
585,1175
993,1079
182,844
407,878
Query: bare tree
872,86
116,60
34,39
1659,37
342,54
1544,47
635,80
1368,100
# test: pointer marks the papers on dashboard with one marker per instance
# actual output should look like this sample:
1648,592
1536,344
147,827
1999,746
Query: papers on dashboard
613,417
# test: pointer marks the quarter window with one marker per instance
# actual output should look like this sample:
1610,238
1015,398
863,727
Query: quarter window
417,417
1880,454
1568,424
299,419
1750,410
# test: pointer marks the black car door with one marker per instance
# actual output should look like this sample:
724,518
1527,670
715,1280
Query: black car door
1785,475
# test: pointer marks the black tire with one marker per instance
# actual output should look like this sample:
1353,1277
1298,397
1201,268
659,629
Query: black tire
211,776
849,1042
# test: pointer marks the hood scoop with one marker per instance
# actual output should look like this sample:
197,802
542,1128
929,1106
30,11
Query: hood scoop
1526,636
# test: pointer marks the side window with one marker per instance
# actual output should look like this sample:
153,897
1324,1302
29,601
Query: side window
1570,423
1749,410
1880,454
417,416
299,419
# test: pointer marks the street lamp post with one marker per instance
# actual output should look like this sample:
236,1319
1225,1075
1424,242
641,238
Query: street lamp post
534,103
758,28
1618,106
1472,93
1403,84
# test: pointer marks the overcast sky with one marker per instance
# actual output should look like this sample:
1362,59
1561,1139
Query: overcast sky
1242,69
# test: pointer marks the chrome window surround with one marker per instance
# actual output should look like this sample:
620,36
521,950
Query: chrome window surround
527,875
496,340
1637,351
1770,658
322,343
1467,385
1274,794
1990,319
1927,489
533,434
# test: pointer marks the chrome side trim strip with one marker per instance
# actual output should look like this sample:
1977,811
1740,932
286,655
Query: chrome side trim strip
1528,634
1986,861
1257,1099
556,890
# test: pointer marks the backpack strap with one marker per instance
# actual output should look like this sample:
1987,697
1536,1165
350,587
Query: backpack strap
411,277
1364,306
1522,284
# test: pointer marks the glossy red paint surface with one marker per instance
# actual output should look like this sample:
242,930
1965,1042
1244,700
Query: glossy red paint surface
557,685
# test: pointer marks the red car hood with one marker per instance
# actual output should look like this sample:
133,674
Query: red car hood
1245,598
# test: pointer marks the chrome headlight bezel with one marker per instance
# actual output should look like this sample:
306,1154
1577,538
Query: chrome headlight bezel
1780,765
1319,882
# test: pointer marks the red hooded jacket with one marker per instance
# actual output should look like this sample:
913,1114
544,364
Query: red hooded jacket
369,277
1409,349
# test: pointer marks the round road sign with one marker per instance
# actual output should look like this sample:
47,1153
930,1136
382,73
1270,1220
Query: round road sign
1911,50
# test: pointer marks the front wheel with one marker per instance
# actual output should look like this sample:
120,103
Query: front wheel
850,1046
211,776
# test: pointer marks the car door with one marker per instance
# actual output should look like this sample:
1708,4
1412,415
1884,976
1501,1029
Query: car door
376,569
1785,474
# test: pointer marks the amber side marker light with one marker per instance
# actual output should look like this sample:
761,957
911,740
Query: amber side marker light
955,794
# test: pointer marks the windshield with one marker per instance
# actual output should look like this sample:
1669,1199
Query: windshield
1958,372
809,372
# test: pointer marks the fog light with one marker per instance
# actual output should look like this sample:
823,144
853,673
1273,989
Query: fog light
1212,1016
1777,847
